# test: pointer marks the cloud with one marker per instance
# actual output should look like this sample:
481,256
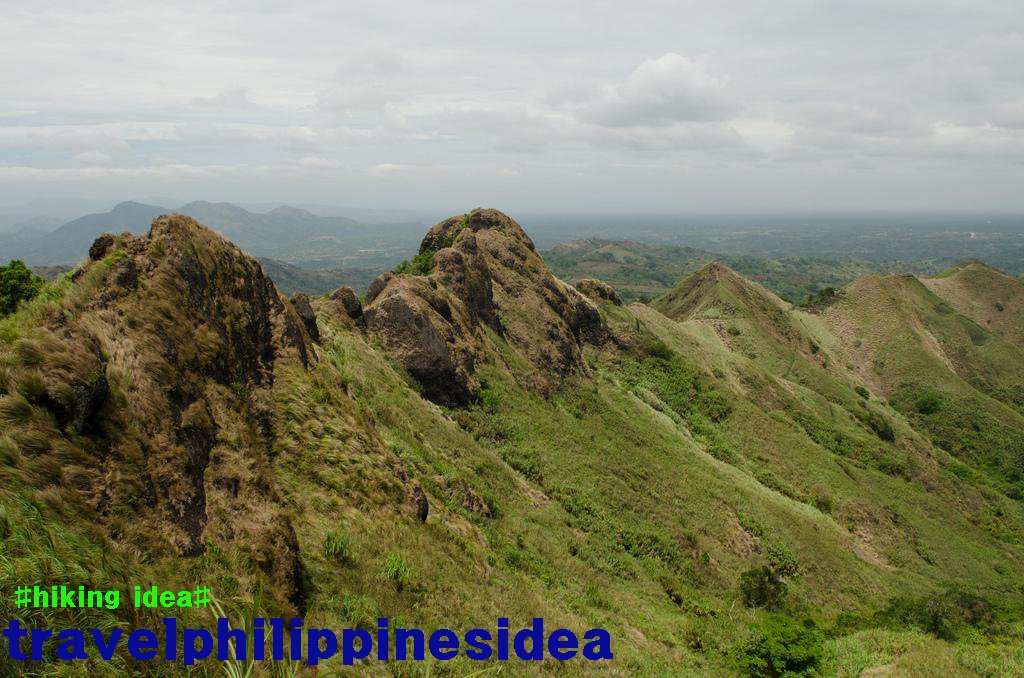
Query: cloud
458,98
93,158
662,91
225,100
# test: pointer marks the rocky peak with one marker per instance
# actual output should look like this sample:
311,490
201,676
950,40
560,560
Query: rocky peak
484,283
158,367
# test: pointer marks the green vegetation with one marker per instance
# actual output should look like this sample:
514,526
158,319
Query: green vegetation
643,271
421,264
763,587
719,488
338,547
782,646
17,284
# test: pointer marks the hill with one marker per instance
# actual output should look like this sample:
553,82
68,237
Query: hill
641,270
987,296
478,439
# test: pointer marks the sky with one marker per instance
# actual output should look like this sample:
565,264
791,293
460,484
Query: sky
631,107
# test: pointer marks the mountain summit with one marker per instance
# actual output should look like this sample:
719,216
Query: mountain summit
479,278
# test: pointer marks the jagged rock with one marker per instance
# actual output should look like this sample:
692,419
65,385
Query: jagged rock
486,277
100,246
470,500
598,290
583,316
346,297
413,322
377,286
300,302
419,499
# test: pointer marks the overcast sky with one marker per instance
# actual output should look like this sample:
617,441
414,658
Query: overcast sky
640,106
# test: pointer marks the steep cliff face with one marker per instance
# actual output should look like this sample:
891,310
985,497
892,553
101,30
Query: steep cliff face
481,283
148,391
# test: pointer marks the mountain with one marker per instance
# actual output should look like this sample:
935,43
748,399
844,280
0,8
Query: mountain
263,234
25,227
729,484
955,380
69,243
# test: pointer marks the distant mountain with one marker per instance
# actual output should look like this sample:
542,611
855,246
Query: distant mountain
69,243
284,228
264,234
20,223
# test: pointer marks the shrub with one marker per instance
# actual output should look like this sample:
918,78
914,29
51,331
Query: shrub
880,425
928,403
762,587
421,264
782,646
944,615
644,543
782,560
658,349
862,392
17,284
821,498
338,548
396,570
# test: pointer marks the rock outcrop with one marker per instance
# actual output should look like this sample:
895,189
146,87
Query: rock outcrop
486,284
158,370
598,290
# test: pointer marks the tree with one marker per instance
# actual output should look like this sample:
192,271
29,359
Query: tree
782,646
17,284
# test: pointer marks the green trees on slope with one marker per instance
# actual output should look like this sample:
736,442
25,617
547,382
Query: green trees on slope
17,284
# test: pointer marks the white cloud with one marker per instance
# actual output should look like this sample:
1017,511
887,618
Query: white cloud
662,91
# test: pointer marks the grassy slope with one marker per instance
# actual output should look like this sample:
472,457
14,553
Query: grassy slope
631,500
954,379
987,296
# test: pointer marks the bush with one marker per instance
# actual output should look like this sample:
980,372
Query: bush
945,615
644,543
928,403
862,392
658,349
821,498
17,284
782,560
421,264
880,425
763,587
396,570
338,548
782,646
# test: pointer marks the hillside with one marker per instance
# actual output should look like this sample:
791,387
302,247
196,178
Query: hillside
706,477
987,296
